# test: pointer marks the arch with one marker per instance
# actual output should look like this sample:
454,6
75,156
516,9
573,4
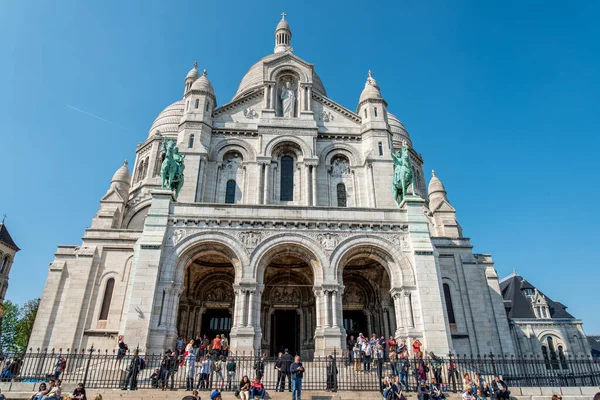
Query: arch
137,216
191,141
542,335
275,142
109,287
332,150
275,72
183,254
374,247
244,148
291,244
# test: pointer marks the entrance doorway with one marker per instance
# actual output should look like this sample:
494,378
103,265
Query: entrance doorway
285,331
216,321
355,322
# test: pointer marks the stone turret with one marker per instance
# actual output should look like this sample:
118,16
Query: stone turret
191,77
283,36
372,107
112,205
442,212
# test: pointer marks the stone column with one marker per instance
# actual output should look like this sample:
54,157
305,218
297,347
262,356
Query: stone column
399,314
217,183
271,98
410,322
318,294
261,183
314,185
236,308
309,98
307,185
251,308
267,89
267,183
201,173
334,304
328,309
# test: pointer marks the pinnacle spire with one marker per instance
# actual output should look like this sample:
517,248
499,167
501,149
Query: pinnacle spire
283,35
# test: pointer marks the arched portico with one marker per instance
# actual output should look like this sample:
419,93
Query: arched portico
378,282
195,291
288,270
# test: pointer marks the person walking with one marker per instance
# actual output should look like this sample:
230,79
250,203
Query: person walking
403,366
259,367
286,363
278,369
297,373
332,373
59,366
133,371
190,370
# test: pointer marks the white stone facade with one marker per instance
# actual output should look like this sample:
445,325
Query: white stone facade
277,214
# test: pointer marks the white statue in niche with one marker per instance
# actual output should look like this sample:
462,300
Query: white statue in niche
288,100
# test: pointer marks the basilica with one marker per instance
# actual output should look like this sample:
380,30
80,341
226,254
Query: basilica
284,233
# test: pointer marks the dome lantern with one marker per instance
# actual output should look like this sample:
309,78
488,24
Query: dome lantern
283,36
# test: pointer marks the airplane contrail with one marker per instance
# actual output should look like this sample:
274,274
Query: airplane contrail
94,116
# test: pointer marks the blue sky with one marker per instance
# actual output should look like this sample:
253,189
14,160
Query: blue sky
501,98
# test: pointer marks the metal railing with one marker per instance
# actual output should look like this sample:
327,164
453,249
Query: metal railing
107,369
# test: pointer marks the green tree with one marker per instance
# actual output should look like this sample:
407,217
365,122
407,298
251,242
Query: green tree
17,323
10,322
25,325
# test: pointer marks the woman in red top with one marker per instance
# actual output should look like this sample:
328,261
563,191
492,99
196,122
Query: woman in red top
417,347
392,344
257,389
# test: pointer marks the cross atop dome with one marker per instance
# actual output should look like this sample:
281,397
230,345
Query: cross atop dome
283,15
196,64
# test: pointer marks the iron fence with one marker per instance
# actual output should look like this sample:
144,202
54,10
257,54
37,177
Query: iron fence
107,369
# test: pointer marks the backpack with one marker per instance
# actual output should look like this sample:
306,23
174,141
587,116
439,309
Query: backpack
63,364
218,366
142,364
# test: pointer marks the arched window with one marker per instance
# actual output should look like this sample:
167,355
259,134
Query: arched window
449,307
145,168
191,141
375,111
561,356
4,264
553,357
108,292
287,179
341,195
545,355
187,104
230,192
380,149
365,113
197,103
161,158
207,105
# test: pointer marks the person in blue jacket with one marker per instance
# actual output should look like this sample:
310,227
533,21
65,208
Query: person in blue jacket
297,372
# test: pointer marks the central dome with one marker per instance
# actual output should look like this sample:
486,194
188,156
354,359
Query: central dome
254,78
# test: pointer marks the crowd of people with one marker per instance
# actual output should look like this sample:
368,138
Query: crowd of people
368,355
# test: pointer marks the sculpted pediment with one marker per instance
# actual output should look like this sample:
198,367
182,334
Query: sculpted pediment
288,61
244,111
112,196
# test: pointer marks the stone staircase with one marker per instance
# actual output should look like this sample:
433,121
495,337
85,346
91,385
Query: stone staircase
575,393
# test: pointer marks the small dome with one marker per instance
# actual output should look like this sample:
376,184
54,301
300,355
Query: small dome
436,186
168,120
397,129
371,90
203,84
122,175
193,74
283,24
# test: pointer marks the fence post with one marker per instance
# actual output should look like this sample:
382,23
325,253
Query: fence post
493,364
87,366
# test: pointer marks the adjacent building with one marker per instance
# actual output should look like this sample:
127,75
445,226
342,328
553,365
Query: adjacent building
8,250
